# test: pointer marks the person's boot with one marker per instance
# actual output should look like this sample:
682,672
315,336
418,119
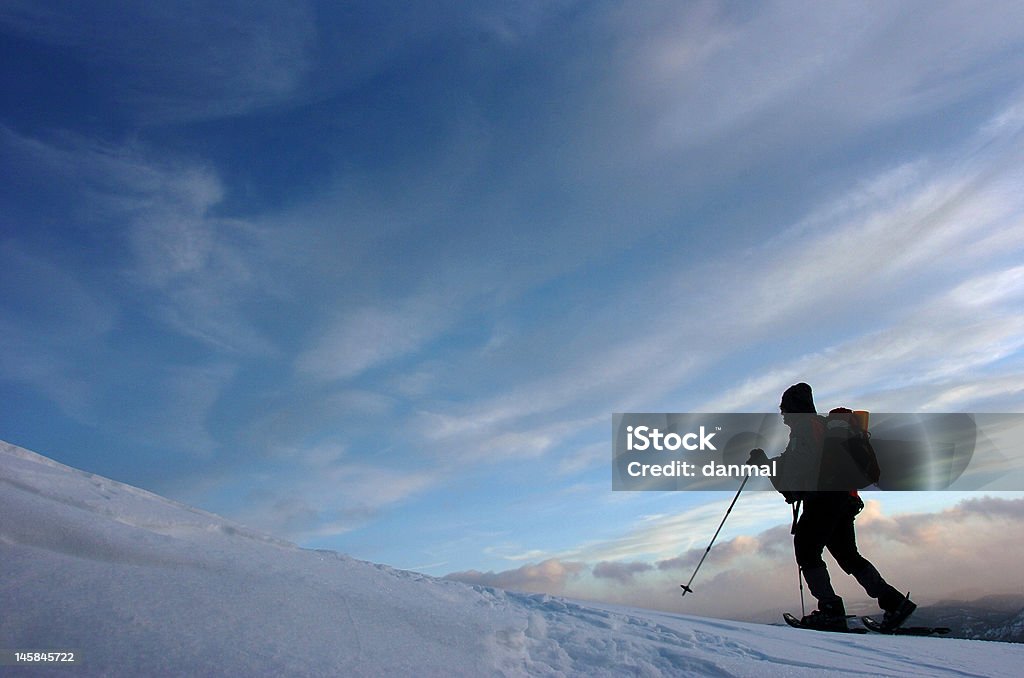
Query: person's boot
898,613
830,616
831,613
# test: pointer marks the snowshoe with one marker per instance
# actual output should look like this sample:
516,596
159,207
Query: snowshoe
877,627
816,624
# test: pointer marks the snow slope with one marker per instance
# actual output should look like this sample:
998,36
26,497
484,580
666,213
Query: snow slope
139,585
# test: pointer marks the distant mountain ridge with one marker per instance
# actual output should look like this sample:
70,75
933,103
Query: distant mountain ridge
998,618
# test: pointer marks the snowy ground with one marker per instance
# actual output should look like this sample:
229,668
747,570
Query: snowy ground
139,585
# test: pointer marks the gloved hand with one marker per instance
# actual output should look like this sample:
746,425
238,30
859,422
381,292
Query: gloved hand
757,457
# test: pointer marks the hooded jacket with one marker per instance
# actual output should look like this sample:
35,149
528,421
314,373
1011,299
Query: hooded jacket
799,465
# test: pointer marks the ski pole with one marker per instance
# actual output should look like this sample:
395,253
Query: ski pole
799,570
800,579
686,587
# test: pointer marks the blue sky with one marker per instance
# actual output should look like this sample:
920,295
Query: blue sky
374,277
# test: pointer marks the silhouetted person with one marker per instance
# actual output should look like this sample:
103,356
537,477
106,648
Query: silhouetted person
827,520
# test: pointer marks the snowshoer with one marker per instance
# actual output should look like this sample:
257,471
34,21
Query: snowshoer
827,520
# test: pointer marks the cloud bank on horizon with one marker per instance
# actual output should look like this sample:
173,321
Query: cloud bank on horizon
960,553
374,278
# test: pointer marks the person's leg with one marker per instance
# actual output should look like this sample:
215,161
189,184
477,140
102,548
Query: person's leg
813,533
897,606
842,544
886,594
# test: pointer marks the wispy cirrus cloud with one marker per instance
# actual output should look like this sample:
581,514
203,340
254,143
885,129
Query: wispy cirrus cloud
939,358
170,271
922,311
702,73
60,345
368,336
155,213
332,497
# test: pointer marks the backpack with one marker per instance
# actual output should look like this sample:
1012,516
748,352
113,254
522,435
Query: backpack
848,460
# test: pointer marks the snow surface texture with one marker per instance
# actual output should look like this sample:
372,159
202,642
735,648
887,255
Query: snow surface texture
140,585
